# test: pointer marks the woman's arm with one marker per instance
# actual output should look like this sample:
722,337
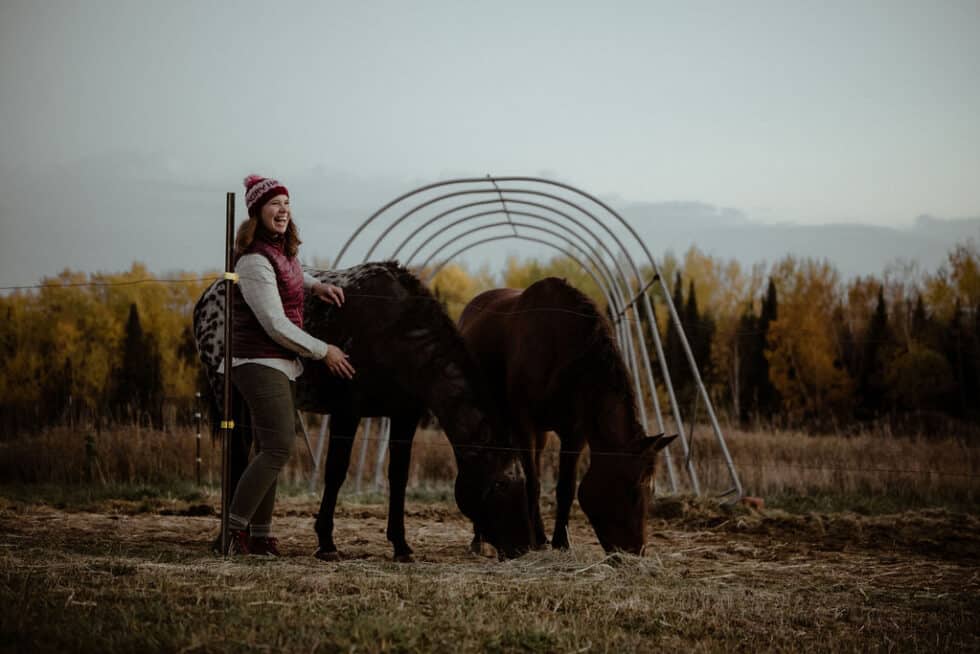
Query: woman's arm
257,280
327,292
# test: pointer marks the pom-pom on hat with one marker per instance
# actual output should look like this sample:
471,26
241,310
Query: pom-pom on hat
259,190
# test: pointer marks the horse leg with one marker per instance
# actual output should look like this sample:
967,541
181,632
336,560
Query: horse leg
476,545
399,456
342,431
540,438
529,459
564,494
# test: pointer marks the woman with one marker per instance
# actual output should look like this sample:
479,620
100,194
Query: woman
268,336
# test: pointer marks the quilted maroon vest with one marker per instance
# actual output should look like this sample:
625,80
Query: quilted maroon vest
250,340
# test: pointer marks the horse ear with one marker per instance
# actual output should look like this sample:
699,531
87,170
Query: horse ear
663,441
650,445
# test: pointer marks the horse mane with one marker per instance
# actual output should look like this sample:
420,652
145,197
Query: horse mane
425,308
600,353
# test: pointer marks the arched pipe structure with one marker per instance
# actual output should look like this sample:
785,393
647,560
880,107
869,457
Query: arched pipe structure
509,212
493,212
621,309
616,300
505,195
498,192
609,288
624,306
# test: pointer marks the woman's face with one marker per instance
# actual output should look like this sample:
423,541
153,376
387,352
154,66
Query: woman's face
275,214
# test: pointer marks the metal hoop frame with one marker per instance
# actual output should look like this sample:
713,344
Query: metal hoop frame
616,284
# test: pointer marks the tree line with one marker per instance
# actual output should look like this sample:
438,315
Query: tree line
99,349
793,344
789,343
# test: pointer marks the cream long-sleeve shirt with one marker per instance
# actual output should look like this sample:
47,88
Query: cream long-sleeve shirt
257,281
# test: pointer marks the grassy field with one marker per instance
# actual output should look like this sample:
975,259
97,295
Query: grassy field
107,551
942,470
125,574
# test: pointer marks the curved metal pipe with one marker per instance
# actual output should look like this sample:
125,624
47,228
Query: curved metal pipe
614,299
646,302
629,347
467,218
580,225
518,237
620,306
673,312
668,382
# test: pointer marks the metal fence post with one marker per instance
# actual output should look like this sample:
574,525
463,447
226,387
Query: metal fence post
227,423
197,421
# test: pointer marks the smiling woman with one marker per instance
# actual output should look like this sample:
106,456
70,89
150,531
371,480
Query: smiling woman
269,335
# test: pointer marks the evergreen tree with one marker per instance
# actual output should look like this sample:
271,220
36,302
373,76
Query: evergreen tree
962,350
875,352
919,321
973,393
139,383
766,394
699,331
748,356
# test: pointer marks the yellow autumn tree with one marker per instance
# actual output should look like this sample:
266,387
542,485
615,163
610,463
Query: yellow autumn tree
956,282
803,360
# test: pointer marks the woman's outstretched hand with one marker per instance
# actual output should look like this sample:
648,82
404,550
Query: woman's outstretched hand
329,293
338,363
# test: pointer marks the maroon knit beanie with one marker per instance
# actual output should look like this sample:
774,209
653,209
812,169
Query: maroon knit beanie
259,190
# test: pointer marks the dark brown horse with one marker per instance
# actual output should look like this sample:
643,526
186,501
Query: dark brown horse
550,357
409,358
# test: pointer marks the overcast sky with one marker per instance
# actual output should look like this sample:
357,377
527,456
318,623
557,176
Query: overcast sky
122,123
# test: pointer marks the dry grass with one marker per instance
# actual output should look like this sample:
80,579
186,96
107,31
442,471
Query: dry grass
872,473
122,580
103,547
132,455
911,471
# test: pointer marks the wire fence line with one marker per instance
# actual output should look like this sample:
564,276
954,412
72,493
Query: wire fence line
747,463
429,439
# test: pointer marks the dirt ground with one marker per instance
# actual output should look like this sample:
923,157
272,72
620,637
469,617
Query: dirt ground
695,532
841,582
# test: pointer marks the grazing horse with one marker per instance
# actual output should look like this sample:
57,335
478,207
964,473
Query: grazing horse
550,357
409,358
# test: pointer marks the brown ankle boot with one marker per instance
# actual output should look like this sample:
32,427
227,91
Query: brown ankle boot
264,546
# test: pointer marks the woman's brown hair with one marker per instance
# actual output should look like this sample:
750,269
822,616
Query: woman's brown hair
247,230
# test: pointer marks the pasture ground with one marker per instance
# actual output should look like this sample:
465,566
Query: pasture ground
121,575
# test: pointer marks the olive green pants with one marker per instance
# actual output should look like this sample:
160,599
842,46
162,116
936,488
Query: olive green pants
271,400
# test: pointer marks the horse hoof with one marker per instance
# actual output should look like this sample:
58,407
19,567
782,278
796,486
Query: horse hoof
404,558
329,557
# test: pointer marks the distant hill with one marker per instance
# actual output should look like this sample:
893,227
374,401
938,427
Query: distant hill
105,213
854,248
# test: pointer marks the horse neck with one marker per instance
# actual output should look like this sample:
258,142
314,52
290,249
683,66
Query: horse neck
435,362
455,398
606,418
